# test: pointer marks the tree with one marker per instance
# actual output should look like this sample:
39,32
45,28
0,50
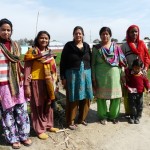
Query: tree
30,42
114,40
124,40
25,41
96,41
146,38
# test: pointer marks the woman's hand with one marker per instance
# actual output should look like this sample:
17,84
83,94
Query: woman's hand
0,98
144,71
27,91
94,84
49,104
29,78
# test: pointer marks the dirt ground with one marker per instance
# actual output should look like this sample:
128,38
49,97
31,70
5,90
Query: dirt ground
121,136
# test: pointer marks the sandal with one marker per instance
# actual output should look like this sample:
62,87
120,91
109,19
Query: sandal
43,136
53,129
27,142
84,123
103,122
73,127
16,145
115,121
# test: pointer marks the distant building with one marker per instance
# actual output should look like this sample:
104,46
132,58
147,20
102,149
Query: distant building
147,43
54,45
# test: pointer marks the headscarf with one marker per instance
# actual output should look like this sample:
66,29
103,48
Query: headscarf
15,66
141,49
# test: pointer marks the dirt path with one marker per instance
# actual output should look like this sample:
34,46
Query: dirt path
121,136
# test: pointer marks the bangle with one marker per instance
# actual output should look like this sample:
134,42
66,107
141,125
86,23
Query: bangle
49,103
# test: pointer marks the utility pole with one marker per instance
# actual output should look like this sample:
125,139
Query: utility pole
90,36
37,23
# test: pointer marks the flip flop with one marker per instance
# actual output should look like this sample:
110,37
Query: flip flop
73,127
16,145
27,142
115,121
84,123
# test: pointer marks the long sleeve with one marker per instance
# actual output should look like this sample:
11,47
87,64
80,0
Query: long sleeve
146,83
146,57
27,72
94,55
63,63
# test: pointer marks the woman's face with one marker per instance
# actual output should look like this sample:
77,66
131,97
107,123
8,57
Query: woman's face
43,40
105,37
5,31
78,35
133,33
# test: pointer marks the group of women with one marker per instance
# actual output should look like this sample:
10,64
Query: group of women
82,72
34,80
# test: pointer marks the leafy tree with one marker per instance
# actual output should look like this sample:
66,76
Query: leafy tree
146,38
114,40
124,40
96,41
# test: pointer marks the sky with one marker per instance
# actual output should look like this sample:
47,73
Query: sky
59,17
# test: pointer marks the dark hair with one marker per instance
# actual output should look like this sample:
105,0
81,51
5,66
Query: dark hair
138,63
36,43
78,27
6,21
103,29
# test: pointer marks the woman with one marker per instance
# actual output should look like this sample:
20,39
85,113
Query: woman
75,72
13,105
40,64
134,48
107,60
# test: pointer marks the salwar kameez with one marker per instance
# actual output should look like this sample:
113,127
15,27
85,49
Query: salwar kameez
80,93
42,89
106,74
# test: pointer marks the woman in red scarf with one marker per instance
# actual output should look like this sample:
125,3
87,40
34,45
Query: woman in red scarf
134,48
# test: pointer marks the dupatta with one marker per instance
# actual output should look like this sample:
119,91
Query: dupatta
114,56
15,66
48,61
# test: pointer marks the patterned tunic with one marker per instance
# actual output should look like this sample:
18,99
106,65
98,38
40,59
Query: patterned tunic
107,77
79,83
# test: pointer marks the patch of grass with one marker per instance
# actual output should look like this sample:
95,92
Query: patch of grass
58,58
148,74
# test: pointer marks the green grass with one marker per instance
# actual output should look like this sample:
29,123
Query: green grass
58,58
148,74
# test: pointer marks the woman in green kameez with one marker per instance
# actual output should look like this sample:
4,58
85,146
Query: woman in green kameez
107,63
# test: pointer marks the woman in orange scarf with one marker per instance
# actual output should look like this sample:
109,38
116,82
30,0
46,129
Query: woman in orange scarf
40,63
134,48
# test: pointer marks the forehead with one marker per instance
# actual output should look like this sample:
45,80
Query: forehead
5,26
133,29
44,35
105,32
78,31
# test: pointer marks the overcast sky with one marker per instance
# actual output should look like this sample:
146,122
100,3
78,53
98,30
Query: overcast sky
59,17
